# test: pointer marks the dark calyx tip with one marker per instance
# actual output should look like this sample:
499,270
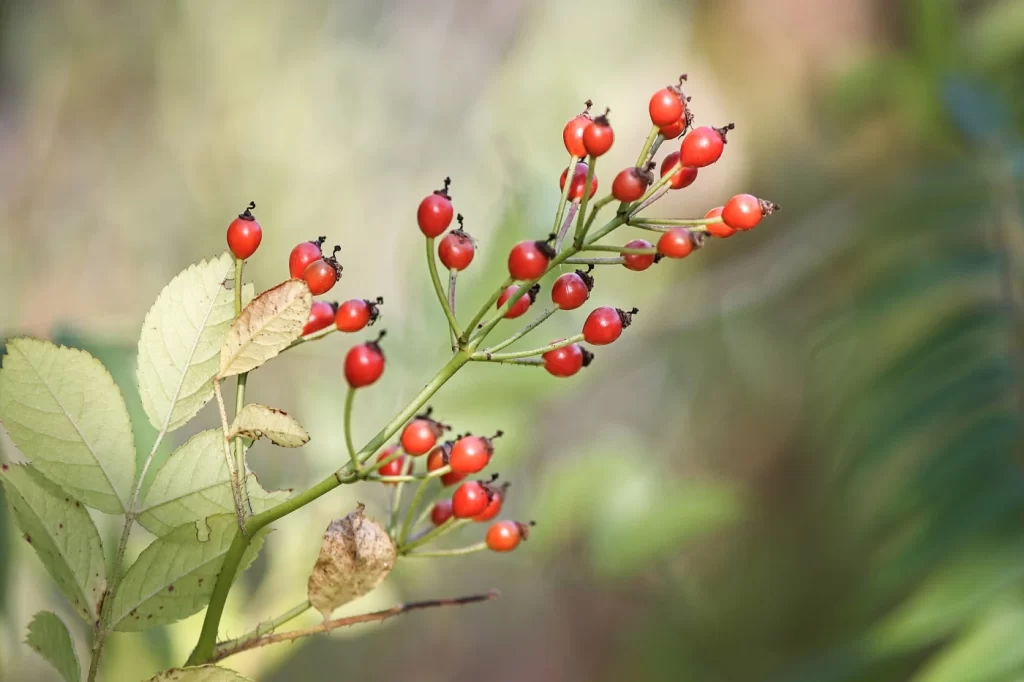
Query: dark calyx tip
247,213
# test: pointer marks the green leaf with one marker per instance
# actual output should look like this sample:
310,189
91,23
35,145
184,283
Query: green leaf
989,652
48,635
259,420
194,483
62,533
205,673
174,577
65,413
181,339
267,326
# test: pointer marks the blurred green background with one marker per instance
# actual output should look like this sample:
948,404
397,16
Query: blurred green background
801,464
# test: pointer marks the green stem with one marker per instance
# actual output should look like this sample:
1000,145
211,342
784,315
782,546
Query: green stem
445,528
605,230
208,637
526,362
350,399
498,357
452,277
226,648
461,551
241,380
573,160
413,505
582,224
673,222
453,324
664,180
620,249
595,261
315,336
601,203
648,143
410,478
396,500
471,327
380,464
522,332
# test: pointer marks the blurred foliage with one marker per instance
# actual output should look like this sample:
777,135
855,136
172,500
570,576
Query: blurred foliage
801,464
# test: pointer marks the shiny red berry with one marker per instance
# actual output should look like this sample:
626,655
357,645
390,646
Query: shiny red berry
441,512
395,467
572,134
321,316
364,363
470,499
703,146
673,130
498,496
744,211
321,275
630,184
529,260
678,243
435,212
438,459
598,136
579,179
471,454
420,435
567,360
667,106
638,261
302,255
505,536
456,250
605,324
684,178
572,289
520,306
357,313
718,229
244,234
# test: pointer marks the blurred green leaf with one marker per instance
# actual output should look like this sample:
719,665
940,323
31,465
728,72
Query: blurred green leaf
48,635
988,652
61,532
206,673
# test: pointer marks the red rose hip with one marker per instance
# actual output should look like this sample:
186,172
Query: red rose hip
520,306
321,316
529,260
302,255
703,146
244,234
572,289
364,363
567,360
435,212
638,261
605,324
357,313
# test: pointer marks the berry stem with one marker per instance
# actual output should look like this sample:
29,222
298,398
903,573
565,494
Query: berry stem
471,327
236,486
560,211
667,222
581,225
645,151
620,249
452,276
442,530
350,399
574,207
529,362
492,357
348,474
238,646
396,496
461,551
377,466
453,324
524,331
654,197
410,478
413,505
315,336
664,180
240,382
595,261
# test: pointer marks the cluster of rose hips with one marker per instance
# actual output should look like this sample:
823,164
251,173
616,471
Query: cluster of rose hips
586,138
465,455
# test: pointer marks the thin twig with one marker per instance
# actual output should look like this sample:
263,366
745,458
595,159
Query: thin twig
595,261
236,487
524,331
349,400
223,651
569,217
452,275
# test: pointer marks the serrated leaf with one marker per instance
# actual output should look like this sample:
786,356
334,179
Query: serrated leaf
60,530
205,673
181,340
273,320
257,420
48,635
63,410
174,577
194,483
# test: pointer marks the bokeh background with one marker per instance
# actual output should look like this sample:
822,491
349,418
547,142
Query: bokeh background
802,463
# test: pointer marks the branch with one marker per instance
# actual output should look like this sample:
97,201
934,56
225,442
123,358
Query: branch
453,324
497,357
525,330
595,261
234,647
350,398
